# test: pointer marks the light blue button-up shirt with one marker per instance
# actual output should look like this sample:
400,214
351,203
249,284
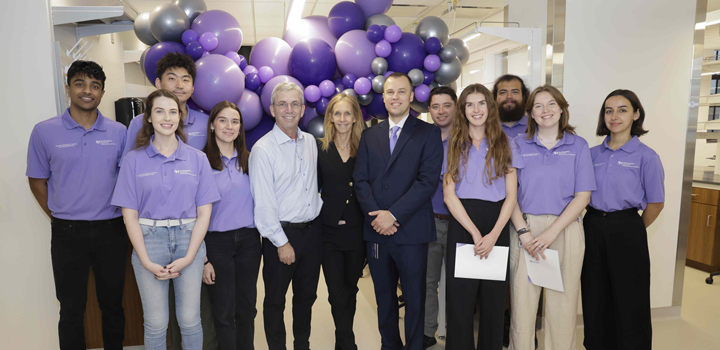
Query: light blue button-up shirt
283,181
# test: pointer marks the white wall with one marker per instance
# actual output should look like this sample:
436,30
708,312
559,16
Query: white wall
29,309
644,46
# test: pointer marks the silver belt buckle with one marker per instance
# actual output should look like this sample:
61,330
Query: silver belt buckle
168,223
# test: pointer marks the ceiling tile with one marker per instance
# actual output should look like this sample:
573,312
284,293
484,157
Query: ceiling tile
270,14
242,11
265,32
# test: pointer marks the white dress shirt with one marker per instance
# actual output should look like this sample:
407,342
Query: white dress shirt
283,181
401,124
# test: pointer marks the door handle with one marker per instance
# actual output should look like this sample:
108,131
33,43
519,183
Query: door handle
694,194
708,220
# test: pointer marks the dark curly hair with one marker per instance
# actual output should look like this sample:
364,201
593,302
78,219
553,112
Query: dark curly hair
509,77
89,69
175,60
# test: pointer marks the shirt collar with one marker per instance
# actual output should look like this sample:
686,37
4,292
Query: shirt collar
179,154
281,137
232,157
401,124
70,123
628,147
522,121
567,139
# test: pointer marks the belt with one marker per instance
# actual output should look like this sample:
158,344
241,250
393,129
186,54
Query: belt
166,222
442,216
117,220
300,225
612,214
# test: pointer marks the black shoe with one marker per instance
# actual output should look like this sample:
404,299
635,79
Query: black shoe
428,341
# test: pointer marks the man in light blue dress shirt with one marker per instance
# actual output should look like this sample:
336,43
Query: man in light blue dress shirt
283,181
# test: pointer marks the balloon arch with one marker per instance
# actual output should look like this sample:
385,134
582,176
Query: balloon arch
350,51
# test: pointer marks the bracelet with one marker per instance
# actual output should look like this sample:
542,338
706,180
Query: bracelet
207,262
522,231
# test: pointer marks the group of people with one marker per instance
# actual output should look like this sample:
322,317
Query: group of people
500,168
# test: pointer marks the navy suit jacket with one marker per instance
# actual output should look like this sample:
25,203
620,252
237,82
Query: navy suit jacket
403,183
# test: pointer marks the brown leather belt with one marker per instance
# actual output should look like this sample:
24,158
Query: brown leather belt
442,216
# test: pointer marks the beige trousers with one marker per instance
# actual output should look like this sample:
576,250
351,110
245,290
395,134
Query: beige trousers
560,308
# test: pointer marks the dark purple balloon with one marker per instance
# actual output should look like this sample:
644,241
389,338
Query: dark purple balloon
310,113
327,88
243,63
339,88
321,106
428,77
407,53
250,69
376,108
225,27
312,61
194,50
156,52
433,45
375,33
189,36
266,124
387,74
414,113
192,105
252,81
349,79
259,90
371,76
365,114
344,17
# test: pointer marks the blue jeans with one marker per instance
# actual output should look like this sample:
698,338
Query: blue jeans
165,245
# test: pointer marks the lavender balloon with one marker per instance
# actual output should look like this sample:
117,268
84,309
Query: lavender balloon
374,7
208,41
327,88
375,33
190,36
272,52
251,109
234,56
252,81
344,17
431,63
354,53
312,93
265,73
156,52
407,53
393,33
422,93
250,69
433,45
349,79
362,86
217,79
225,27
383,48
312,61
310,27
266,94
194,50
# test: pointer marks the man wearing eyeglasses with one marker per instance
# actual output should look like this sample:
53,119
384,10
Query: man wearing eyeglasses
283,181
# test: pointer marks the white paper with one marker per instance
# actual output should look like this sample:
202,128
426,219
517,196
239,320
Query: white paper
545,272
467,265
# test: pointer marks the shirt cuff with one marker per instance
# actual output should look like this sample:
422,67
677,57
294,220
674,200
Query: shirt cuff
278,239
391,214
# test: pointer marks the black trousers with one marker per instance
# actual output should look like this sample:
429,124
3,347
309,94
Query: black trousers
342,266
304,274
463,293
76,247
235,256
616,281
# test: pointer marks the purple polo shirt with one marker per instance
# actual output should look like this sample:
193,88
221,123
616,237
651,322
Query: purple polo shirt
195,130
630,177
81,165
551,177
438,203
160,187
520,127
474,183
235,208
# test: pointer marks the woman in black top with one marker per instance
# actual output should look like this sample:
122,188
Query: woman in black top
341,217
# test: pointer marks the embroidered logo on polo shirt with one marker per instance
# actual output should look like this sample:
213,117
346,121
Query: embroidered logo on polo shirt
628,164
563,153
147,174
184,172
105,143
530,154
196,133
66,145
598,164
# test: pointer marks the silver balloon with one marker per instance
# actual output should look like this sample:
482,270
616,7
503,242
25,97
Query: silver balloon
420,107
379,65
448,72
416,77
366,99
192,8
448,53
142,29
350,92
316,127
379,19
378,83
142,60
433,27
463,50
168,22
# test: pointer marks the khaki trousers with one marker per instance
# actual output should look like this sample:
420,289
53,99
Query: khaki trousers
560,308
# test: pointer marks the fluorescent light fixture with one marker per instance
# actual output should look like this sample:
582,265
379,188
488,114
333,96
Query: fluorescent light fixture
711,73
474,71
705,24
295,13
471,36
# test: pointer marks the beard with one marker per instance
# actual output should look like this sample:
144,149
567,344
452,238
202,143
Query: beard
510,113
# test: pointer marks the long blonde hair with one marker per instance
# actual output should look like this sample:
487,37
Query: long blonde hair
499,156
357,127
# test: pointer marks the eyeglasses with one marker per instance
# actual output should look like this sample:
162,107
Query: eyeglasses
284,105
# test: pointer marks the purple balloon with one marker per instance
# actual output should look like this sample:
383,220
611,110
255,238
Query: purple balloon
383,48
266,95
344,17
156,52
259,90
375,33
414,113
310,113
225,27
337,81
312,61
393,33
217,79
192,105
362,85
327,88
250,69
431,63
265,73
371,76
310,27
234,56
428,77
312,93
271,52
208,41
422,93
408,53
339,88
374,7
189,36
266,124
354,53
243,63
194,50
349,79
433,45
252,81
321,106
376,108
251,108
365,114
387,74
205,53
